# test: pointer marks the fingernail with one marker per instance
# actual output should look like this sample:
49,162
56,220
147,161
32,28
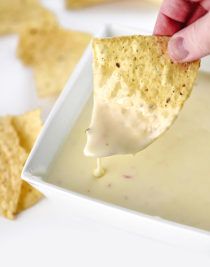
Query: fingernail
176,48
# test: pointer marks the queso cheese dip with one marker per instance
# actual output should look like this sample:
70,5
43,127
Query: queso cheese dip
170,178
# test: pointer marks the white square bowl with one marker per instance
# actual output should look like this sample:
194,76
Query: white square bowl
57,127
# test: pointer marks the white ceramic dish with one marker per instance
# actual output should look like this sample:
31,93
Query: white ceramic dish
57,127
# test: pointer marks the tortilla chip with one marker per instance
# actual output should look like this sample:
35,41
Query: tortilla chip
135,79
27,127
12,159
74,4
15,15
143,64
17,135
53,54
28,197
156,2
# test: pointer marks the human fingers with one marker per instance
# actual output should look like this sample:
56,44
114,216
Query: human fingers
173,15
192,42
166,25
199,12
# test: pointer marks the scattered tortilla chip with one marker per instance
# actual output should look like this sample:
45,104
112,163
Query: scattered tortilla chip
135,79
74,4
28,197
17,135
157,2
53,54
15,15
12,159
27,127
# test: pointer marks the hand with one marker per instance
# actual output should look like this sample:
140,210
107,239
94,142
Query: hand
188,22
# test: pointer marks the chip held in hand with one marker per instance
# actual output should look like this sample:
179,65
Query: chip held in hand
138,93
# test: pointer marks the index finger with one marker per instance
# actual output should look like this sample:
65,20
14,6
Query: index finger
173,15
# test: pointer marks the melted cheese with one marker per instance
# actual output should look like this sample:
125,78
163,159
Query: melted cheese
117,130
170,178
99,171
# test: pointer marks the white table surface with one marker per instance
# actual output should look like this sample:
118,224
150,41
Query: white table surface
50,234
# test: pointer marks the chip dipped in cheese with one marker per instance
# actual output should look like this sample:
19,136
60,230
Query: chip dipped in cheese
138,93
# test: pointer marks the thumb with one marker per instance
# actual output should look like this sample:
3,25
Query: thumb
192,42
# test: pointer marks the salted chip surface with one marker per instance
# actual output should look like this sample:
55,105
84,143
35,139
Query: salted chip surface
15,15
12,159
17,135
138,93
53,54
83,3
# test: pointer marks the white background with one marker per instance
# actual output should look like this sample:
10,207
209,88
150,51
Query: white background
50,234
